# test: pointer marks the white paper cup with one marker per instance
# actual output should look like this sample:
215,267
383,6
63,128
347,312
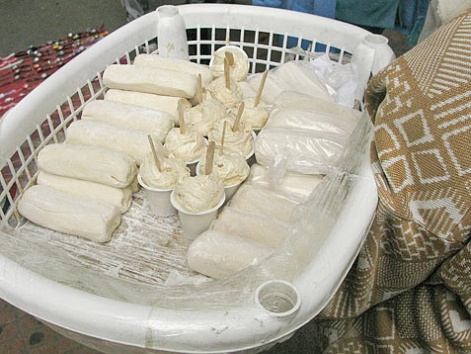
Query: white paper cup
194,224
159,199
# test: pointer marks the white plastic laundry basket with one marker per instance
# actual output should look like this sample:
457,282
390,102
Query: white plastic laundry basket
116,308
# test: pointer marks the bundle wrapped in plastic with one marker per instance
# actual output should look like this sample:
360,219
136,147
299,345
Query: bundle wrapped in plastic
309,152
296,76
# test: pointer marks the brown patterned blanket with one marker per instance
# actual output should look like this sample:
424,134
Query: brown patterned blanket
409,291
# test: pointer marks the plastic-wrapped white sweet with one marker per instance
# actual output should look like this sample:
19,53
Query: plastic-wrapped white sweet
294,186
306,152
119,197
313,121
219,255
188,146
89,163
66,213
249,225
167,104
293,75
150,80
157,61
132,142
202,117
297,100
240,67
264,202
157,123
229,97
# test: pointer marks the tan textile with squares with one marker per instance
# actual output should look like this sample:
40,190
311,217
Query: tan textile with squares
409,291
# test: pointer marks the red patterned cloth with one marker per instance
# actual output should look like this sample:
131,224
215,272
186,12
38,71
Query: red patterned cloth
21,72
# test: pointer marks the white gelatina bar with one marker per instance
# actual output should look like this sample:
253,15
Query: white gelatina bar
249,225
157,61
150,80
119,197
171,170
167,104
132,142
89,163
155,122
219,255
64,212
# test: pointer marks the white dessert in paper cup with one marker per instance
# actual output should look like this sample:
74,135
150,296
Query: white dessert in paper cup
197,200
231,167
189,147
242,140
241,65
158,185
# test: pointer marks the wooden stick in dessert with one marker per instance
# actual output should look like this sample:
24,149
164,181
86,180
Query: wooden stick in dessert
224,127
199,89
154,153
208,165
260,88
236,125
227,73
181,118
230,57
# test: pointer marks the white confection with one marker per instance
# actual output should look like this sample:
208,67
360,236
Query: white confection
240,141
157,123
245,224
229,97
119,197
66,213
199,193
294,186
202,117
239,69
150,80
254,117
313,121
189,146
306,152
171,170
264,202
189,67
297,100
167,104
293,75
89,163
132,142
231,167
220,255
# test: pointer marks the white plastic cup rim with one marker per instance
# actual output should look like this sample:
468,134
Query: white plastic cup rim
203,212
270,294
